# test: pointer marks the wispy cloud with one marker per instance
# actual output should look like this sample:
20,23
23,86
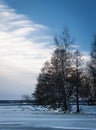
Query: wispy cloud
86,57
23,46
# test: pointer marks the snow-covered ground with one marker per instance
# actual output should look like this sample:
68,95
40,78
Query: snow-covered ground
40,118
84,109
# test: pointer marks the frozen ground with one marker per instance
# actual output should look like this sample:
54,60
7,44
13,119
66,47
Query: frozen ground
39,118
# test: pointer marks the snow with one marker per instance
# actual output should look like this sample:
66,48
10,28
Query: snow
40,118
89,109
84,109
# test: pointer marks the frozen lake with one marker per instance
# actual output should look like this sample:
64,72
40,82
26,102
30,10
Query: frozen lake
25,118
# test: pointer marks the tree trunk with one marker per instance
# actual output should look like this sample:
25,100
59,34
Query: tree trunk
77,100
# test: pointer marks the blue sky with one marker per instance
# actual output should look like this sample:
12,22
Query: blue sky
78,15
27,29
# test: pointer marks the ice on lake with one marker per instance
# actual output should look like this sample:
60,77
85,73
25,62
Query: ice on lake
38,118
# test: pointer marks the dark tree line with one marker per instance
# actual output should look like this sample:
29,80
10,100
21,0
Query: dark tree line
63,79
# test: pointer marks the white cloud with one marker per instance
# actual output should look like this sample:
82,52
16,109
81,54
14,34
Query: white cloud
75,46
23,47
85,59
86,56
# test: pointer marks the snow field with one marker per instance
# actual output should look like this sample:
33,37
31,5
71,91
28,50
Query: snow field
40,118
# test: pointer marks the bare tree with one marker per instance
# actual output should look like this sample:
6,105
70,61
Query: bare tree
93,69
63,44
77,76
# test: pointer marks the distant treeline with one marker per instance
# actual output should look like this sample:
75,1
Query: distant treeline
14,102
33,102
